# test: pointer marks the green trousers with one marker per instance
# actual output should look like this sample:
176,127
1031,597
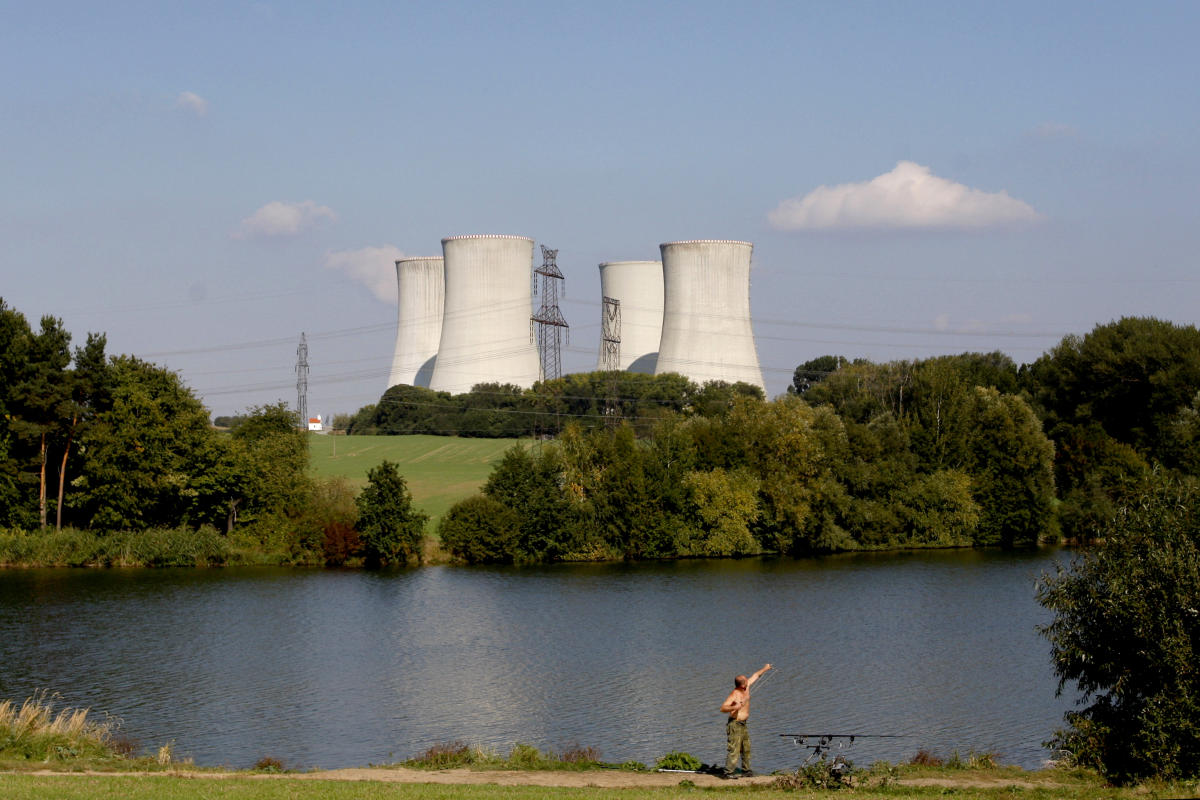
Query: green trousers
737,742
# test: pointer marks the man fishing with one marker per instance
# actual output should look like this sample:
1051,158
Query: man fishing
737,734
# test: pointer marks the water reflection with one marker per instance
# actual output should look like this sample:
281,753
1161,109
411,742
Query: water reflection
332,668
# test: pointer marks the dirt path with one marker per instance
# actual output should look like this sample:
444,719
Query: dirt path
600,778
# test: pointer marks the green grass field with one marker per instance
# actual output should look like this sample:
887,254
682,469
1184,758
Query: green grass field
440,470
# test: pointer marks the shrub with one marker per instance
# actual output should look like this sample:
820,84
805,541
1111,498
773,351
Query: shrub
341,542
678,760
480,530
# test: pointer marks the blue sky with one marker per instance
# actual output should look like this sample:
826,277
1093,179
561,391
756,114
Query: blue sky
203,182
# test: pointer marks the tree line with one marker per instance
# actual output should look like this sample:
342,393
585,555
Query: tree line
948,451
117,456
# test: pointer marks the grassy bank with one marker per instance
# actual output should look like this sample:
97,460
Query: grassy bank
315,786
440,470
69,753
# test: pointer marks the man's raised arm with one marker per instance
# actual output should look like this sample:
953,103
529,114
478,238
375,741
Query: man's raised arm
756,676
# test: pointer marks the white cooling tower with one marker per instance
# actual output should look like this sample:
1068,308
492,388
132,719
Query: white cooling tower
418,320
706,332
639,287
485,323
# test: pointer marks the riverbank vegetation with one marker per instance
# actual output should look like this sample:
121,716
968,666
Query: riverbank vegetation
68,747
110,460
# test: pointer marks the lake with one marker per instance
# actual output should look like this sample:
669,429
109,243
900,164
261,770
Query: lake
330,668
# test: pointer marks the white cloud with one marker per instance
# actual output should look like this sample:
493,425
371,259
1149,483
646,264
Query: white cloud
374,267
192,102
283,219
908,197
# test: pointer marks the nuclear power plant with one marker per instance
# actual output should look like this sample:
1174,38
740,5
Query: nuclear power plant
467,318
420,285
485,334
637,286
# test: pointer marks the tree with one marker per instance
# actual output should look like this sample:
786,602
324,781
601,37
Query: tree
1126,632
1131,376
270,458
813,372
1011,463
149,454
88,394
37,399
390,528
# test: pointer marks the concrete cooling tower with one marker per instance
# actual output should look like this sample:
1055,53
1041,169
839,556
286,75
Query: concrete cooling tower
485,323
639,287
418,320
706,333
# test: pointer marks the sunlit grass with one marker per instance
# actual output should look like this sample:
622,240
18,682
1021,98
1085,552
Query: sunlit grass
439,470
35,731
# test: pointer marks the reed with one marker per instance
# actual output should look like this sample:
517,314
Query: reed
34,730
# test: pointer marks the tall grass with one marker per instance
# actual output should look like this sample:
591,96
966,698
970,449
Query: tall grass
34,731
157,547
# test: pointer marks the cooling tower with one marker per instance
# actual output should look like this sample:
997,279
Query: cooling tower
418,320
706,332
485,322
639,287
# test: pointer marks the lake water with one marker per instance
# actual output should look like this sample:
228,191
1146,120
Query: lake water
341,668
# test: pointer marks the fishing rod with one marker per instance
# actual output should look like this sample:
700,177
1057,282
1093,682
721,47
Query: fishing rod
824,742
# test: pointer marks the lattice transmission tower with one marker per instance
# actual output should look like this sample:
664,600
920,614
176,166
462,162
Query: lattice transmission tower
610,334
302,383
549,319
610,353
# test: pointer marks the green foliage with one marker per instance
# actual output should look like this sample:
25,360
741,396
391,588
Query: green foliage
813,372
1011,463
154,547
506,411
269,465
480,530
145,454
678,760
1131,377
389,526
1125,632
725,504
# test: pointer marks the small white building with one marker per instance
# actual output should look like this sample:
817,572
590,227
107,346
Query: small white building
315,425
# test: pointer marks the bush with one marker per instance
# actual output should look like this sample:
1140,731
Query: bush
1126,631
480,530
341,542
678,760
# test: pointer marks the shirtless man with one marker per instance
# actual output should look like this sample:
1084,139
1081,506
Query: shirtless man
737,735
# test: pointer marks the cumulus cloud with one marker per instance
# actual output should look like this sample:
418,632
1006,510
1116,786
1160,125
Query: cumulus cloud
192,102
374,267
283,219
908,197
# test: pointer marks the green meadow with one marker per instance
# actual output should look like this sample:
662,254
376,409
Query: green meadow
440,470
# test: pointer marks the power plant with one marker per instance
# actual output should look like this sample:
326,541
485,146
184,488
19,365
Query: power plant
485,334
706,331
637,286
420,284
468,317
